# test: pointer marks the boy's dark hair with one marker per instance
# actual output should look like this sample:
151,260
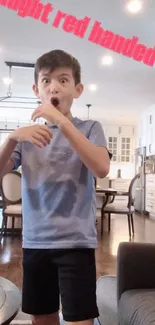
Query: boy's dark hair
57,59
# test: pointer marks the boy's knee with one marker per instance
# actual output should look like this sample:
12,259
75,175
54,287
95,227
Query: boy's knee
51,319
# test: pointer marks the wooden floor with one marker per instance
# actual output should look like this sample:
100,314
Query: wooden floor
106,254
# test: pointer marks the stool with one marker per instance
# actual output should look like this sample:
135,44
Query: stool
10,301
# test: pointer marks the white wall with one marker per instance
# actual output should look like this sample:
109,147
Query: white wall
127,170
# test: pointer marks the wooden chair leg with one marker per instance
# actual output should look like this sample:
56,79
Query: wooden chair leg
132,223
13,225
102,220
2,228
129,225
5,224
109,222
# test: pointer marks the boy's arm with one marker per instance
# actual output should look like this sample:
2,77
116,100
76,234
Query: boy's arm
6,150
10,151
92,151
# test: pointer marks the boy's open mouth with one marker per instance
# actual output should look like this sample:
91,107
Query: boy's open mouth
55,102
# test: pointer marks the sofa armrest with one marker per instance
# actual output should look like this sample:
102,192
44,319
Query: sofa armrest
135,267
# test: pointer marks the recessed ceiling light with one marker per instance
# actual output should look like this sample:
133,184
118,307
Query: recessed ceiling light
7,81
134,6
92,87
107,60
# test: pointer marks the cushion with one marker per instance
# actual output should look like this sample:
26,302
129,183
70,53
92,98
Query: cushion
13,209
106,292
137,307
117,207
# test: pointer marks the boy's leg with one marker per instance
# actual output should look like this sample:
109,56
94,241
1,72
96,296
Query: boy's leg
77,279
40,287
52,319
86,322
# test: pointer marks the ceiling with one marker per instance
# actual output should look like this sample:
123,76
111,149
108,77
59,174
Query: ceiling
125,88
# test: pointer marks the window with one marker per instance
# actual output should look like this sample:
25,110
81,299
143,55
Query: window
112,146
125,149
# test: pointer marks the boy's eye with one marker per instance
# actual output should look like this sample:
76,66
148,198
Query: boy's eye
63,80
45,80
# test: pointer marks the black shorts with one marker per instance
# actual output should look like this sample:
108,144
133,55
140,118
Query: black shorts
69,273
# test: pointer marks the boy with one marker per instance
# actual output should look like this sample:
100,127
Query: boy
59,162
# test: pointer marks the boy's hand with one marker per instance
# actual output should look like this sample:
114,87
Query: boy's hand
39,135
49,113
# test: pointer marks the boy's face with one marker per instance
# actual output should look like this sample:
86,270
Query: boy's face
58,85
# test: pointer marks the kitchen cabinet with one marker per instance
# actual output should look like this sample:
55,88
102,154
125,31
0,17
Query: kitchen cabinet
150,195
121,143
146,131
150,147
142,130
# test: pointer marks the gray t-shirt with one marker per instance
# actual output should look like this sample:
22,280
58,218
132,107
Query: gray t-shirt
58,191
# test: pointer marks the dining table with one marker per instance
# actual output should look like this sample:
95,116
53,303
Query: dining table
108,196
106,193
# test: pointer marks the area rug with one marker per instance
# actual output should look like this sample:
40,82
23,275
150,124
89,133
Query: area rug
107,300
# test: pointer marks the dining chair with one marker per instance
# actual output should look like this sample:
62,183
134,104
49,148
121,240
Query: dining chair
122,208
0,196
11,200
